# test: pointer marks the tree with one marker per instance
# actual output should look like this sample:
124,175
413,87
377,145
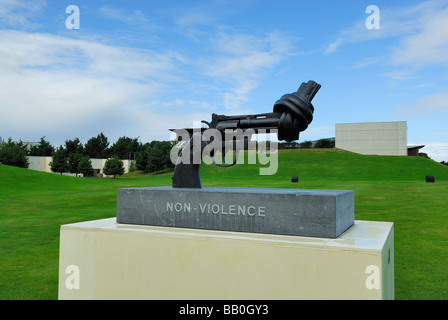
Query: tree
113,166
14,154
85,166
324,143
291,145
74,146
75,152
59,162
155,157
73,162
142,160
132,166
125,146
97,148
42,149
306,144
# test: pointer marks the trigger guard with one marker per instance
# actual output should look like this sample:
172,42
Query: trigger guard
227,165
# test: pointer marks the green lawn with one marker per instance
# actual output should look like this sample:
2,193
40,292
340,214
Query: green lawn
34,205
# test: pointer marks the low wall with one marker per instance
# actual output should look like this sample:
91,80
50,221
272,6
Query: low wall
43,164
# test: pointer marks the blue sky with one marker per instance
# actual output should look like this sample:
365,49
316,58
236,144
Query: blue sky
138,68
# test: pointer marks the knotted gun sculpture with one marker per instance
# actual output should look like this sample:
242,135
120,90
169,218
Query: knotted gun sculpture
291,115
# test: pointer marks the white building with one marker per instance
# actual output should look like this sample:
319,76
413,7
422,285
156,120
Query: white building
43,164
379,138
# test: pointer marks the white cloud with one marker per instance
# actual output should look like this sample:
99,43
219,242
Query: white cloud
59,86
399,75
421,28
55,85
429,45
430,104
206,13
134,17
20,13
443,133
394,22
421,41
437,151
24,50
196,17
52,84
367,62
242,61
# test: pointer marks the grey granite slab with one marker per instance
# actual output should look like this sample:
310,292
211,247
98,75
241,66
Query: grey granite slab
295,212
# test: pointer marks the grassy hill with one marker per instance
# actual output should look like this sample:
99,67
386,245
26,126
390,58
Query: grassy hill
332,165
35,204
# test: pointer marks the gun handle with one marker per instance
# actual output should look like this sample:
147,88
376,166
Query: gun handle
186,176
186,172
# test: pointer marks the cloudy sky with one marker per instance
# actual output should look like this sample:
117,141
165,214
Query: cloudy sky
139,68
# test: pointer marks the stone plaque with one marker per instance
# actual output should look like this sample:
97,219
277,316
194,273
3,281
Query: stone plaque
295,212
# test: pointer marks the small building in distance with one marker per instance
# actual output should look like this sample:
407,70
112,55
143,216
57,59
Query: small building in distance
373,138
414,150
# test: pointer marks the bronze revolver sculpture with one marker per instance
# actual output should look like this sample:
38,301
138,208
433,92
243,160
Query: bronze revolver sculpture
291,115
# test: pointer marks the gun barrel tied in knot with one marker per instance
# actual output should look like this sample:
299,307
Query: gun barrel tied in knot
291,115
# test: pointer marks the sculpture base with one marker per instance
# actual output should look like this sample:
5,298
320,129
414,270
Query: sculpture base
105,260
295,212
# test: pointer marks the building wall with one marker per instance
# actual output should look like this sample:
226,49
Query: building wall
380,138
39,163
43,164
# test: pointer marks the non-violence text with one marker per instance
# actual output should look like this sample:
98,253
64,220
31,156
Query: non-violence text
208,208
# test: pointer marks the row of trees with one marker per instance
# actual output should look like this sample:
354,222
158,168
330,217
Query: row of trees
76,163
148,157
96,147
319,144
74,157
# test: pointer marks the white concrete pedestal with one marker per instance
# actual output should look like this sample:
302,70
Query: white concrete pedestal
105,260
